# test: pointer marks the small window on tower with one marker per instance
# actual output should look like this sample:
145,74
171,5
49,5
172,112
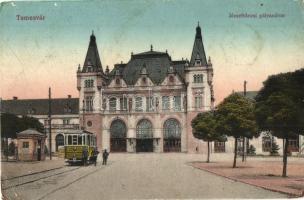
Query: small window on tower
144,80
117,81
171,79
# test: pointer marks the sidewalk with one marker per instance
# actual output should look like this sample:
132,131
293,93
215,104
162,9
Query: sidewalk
264,174
12,169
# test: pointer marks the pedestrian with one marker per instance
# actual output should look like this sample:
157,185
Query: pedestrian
85,156
95,155
105,157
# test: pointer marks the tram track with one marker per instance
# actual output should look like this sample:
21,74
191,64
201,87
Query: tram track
70,183
30,178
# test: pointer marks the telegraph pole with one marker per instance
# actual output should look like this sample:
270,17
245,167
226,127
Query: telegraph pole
50,128
83,119
244,138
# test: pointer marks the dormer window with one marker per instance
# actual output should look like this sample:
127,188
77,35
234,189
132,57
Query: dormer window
144,80
117,81
198,62
171,79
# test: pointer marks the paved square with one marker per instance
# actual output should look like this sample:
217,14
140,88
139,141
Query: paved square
137,176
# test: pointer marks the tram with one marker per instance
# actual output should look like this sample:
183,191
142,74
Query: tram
76,142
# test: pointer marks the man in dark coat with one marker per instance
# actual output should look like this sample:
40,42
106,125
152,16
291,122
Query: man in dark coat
85,156
95,155
105,155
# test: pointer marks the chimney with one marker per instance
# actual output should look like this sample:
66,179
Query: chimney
69,96
15,98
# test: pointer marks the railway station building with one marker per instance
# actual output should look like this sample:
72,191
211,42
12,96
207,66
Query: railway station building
146,104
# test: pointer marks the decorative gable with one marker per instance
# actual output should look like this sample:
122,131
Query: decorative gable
144,81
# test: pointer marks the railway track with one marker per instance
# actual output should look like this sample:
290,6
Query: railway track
33,177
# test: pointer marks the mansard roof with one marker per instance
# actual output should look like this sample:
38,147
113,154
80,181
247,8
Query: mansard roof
92,61
156,63
198,51
59,106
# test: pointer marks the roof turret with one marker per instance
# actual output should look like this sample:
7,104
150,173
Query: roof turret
198,56
92,61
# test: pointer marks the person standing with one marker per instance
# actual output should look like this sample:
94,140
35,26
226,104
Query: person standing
95,155
105,157
85,156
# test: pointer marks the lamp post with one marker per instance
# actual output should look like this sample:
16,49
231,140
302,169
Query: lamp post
50,122
244,138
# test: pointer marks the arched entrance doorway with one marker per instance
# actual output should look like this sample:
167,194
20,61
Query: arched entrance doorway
144,136
172,136
118,133
59,141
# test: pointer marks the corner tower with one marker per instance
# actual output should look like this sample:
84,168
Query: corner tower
90,81
199,79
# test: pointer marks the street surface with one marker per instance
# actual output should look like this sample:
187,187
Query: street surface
132,176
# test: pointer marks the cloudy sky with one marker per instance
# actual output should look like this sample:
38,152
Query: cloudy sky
37,54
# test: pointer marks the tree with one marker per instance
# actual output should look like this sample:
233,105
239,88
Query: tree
12,124
204,128
236,118
274,148
280,108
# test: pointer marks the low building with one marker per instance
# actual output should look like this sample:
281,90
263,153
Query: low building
65,115
31,145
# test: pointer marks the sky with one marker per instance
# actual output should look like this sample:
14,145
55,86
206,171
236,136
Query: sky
36,55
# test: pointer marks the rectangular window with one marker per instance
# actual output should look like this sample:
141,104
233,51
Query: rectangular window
138,104
198,78
177,103
219,147
88,103
150,104
66,121
198,102
123,103
25,145
89,83
112,104
46,122
266,144
165,103
293,144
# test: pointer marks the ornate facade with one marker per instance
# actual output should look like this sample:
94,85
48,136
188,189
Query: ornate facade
146,104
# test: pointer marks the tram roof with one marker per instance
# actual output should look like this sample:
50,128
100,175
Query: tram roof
76,131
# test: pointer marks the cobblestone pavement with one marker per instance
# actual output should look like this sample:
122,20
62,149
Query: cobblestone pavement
13,169
138,176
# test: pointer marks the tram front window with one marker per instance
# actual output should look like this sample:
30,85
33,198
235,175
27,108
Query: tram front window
79,140
69,140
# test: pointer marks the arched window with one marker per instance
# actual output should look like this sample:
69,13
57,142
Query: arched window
144,129
138,104
172,129
118,129
113,104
